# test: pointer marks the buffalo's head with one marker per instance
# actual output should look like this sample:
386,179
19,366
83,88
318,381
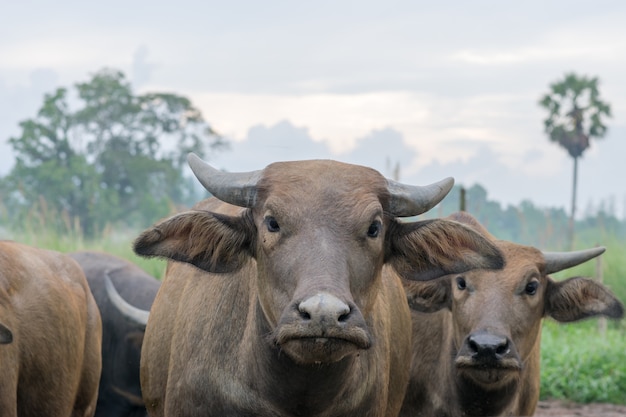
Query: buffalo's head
318,234
497,314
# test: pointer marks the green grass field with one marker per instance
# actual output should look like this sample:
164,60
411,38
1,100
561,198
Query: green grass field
579,363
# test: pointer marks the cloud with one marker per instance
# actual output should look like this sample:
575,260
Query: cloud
338,119
384,150
264,145
380,149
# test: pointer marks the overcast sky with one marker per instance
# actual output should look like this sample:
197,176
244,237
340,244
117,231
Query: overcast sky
446,88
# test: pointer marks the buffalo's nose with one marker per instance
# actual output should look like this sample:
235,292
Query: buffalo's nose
324,308
488,346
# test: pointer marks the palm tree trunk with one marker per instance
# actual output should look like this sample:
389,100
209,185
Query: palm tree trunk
570,240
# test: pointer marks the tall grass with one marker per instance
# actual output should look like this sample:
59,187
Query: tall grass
117,243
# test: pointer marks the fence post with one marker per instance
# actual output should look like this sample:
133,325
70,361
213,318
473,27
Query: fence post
599,276
462,199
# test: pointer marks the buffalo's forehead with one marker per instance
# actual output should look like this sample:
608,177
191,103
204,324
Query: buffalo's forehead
323,181
520,257
520,263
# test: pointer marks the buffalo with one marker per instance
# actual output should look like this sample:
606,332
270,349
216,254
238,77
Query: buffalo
50,335
290,303
476,344
124,294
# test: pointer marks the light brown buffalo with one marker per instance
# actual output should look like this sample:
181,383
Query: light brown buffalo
285,311
50,335
476,342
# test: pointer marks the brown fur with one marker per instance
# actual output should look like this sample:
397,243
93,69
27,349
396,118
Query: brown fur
225,336
494,303
52,365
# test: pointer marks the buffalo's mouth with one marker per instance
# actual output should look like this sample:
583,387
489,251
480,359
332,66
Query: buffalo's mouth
330,346
488,372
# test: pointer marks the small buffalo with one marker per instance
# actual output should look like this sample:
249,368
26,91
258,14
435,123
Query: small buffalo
50,335
280,307
476,335
124,294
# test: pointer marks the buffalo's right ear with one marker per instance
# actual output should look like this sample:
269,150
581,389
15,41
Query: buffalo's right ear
429,296
578,298
211,241
6,336
430,249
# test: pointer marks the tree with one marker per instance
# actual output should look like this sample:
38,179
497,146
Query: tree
575,116
115,157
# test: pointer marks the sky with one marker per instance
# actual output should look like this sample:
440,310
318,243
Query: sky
440,89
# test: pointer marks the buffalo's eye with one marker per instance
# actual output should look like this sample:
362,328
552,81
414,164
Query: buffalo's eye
272,224
531,288
374,229
460,283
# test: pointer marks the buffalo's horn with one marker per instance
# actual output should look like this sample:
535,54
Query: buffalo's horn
238,188
132,313
558,261
411,200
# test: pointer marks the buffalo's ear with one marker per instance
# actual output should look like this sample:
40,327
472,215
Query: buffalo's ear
6,336
578,298
211,241
429,249
429,296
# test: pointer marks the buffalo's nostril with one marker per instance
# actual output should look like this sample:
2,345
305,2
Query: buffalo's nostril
503,349
472,344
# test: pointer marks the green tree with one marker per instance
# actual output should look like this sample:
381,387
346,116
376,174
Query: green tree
575,116
113,157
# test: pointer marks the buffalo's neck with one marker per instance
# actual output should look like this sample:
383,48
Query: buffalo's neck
297,389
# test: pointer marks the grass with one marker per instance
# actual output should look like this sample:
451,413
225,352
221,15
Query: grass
580,364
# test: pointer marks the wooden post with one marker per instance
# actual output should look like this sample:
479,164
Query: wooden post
599,276
462,199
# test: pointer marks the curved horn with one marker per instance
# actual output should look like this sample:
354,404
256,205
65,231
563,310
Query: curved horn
132,313
558,261
411,200
238,188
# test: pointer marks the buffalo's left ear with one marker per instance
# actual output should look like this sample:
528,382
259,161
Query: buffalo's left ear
6,336
578,298
429,249
211,241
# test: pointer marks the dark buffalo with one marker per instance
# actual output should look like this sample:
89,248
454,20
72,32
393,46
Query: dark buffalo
280,306
476,342
122,328
50,335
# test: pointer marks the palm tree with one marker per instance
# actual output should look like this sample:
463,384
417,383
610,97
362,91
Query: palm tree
575,117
